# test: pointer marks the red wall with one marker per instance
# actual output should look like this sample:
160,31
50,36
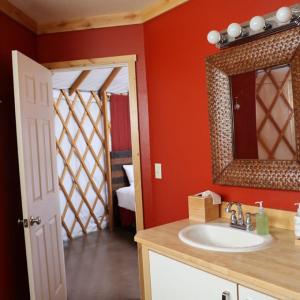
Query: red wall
176,47
120,123
13,274
107,42
243,88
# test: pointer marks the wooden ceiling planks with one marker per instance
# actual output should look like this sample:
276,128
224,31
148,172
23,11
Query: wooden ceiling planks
99,21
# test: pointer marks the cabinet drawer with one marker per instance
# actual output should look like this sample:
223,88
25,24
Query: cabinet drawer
247,294
173,280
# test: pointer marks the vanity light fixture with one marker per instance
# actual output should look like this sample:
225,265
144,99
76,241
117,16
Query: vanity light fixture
284,14
214,37
257,23
234,30
284,18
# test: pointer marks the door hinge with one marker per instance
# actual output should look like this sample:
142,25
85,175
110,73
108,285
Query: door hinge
24,222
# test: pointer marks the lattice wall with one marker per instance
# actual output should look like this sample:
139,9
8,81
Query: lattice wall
275,114
81,161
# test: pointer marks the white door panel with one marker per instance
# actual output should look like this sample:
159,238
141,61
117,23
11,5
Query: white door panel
38,177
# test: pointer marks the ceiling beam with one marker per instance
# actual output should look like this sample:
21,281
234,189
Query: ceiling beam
17,15
99,21
159,8
109,80
78,81
120,19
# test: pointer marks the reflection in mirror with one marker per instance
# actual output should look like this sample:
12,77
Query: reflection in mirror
263,114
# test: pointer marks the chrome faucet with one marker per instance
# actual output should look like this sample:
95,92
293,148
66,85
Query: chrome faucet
237,221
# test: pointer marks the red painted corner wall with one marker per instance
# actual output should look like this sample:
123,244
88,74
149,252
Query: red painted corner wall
120,122
106,42
172,49
176,47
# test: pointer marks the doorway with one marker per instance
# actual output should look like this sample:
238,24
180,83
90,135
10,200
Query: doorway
128,62
35,84
95,171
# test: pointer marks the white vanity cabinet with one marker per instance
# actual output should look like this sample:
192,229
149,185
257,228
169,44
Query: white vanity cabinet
248,294
173,280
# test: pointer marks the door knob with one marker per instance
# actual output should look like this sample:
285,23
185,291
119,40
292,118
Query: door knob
36,220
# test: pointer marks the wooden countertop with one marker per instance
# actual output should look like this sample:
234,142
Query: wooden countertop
274,271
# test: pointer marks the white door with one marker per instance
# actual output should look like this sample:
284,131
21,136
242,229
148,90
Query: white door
173,280
39,180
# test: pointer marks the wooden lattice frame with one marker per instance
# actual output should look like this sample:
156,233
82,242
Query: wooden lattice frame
63,96
279,49
270,150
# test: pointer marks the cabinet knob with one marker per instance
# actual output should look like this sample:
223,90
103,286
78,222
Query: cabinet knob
225,295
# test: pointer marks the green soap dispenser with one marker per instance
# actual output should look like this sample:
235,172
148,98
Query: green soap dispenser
262,221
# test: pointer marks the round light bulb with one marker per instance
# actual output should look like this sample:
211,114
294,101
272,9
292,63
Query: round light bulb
284,14
234,30
214,37
257,23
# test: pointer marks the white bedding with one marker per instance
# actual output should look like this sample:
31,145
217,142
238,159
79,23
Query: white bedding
126,197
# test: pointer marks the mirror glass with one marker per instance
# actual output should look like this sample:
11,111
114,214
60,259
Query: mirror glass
263,114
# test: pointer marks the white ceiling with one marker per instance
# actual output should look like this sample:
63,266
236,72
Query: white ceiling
93,82
44,11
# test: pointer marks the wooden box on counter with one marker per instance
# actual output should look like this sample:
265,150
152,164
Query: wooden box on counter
202,209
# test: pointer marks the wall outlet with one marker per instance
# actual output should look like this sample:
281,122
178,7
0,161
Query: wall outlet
158,173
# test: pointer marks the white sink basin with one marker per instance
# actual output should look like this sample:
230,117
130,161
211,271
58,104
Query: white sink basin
222,237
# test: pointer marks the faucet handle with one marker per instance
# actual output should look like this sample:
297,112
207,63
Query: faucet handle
228,206
233,218
248,222
249,214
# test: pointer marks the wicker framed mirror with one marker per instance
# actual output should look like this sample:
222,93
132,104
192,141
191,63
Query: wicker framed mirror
280,49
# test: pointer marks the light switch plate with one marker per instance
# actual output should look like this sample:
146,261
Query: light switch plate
158,172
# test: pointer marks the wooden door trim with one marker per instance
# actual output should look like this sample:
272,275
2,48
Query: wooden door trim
115,61
81,64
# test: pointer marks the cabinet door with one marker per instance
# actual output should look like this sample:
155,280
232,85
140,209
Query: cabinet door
173,280
247,294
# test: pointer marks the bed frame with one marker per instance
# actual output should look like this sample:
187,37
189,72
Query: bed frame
122,216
